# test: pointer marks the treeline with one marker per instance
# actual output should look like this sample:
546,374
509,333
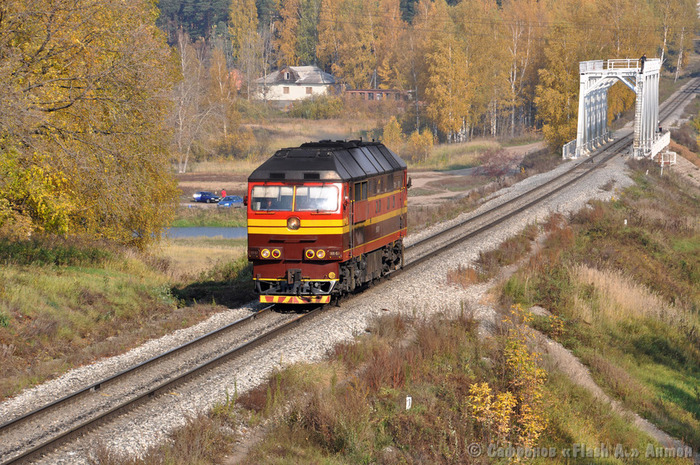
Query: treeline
475,66
98,102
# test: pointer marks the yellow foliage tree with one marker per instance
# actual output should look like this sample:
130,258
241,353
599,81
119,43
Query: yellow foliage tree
85,98
287,27
420,144
392,136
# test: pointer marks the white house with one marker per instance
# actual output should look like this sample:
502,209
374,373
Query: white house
295,83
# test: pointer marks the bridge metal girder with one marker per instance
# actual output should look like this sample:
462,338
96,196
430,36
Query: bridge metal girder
597,77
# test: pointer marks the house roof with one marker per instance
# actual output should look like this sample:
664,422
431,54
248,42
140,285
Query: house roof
299,75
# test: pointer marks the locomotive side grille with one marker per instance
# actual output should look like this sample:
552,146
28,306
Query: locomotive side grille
312,176
277,175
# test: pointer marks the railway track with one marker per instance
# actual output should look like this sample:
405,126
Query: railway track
34,433
470,227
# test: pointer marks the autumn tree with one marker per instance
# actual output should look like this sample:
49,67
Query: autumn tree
392,136
328,45
223,93
523,22
447,91
348,40
85,95
557,93
391,61
485,49
191,111
578,35
287,33
246,41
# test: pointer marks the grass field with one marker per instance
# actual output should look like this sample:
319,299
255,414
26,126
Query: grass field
626,297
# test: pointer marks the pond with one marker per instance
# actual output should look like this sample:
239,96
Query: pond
226,233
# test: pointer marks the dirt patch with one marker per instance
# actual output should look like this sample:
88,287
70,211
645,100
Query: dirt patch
430,188
687,170
233,183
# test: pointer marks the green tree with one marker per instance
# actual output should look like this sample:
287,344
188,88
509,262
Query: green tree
85,95
307,32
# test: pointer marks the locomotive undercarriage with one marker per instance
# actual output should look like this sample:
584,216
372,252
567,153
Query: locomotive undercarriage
294,286
354,273
367,267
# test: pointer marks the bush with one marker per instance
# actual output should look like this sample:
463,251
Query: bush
686,136
44,252
318,108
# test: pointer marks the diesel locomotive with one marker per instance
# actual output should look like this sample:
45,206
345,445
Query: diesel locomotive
324,219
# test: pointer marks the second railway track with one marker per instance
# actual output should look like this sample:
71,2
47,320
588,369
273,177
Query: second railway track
28,435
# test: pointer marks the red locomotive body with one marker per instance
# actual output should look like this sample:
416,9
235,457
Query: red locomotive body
325,218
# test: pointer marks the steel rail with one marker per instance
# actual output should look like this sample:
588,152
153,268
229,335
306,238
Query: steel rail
668,107
606,153
168,385
77,395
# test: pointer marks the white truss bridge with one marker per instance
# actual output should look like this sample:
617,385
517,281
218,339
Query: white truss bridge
597,76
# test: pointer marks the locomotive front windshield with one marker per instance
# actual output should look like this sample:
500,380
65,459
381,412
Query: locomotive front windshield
295,198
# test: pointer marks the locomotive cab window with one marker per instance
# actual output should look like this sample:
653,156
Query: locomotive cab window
316,198
272,198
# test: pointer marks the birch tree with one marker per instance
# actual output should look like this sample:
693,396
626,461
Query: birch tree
191,111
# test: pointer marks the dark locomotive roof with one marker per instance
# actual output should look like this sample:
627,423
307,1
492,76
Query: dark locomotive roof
329,161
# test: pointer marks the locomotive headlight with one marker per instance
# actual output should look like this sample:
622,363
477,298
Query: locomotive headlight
293,223
265,253
276,253
320,254
309,253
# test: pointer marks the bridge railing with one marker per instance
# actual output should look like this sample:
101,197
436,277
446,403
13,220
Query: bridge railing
618,64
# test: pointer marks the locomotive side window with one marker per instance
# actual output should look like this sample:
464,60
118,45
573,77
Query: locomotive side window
316,198
360,191
272,198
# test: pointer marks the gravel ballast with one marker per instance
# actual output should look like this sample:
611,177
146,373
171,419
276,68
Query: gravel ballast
422,292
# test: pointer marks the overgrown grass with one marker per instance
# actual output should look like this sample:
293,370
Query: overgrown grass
490,262
52,251
63,304
533,163
190,257
622,279
227,283
202,440
446,157
465,393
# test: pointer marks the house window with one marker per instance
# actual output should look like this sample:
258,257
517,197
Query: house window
286,76
285,90
362,95
308,91
379,95
370,95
